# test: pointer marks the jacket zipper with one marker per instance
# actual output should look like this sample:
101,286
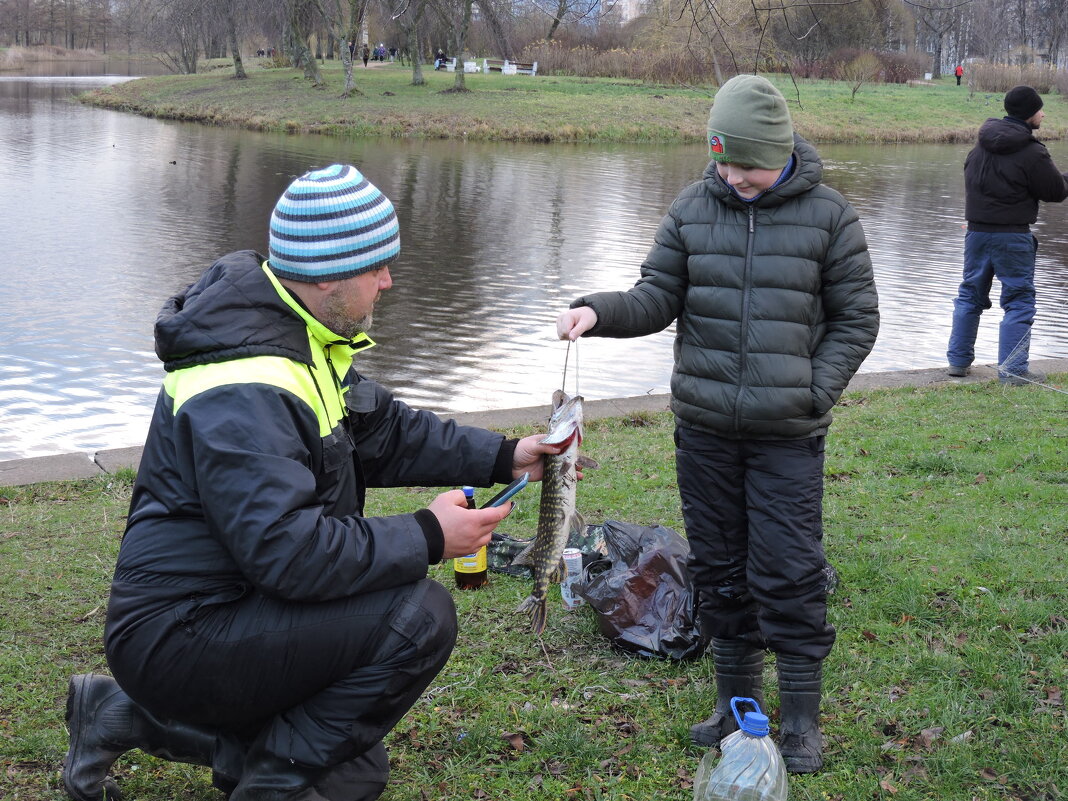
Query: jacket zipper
743,350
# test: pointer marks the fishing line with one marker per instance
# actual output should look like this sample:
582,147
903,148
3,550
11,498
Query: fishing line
563,378
1024,345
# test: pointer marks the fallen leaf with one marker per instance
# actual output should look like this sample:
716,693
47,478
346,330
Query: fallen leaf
514,739
981,478
888,787
928,736
992,776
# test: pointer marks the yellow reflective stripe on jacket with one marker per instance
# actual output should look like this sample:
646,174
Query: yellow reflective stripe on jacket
276,371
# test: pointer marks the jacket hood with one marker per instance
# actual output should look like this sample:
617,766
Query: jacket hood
807,173
233,311
1006,135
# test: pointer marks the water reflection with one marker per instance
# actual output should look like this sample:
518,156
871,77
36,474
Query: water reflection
107,214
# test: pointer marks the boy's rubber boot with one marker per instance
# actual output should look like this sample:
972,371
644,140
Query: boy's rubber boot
104,723
739,672
800,691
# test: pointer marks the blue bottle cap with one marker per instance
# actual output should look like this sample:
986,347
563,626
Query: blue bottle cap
755,723
469,492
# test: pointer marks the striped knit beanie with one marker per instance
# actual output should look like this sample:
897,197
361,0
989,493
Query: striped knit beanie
331,224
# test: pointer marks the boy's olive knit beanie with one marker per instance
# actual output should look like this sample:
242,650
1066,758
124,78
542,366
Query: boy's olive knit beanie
750,125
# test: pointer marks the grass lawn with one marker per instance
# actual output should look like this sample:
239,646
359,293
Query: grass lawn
947,519
548,108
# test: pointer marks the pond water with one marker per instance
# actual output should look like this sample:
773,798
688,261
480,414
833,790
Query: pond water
105,215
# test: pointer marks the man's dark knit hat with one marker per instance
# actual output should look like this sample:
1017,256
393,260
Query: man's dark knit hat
1022,102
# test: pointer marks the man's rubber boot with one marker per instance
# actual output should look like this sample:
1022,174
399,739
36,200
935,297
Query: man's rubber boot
361,779
800,690
739,672
267,777
104,723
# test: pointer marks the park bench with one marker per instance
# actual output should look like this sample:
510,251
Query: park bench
506,67
450,64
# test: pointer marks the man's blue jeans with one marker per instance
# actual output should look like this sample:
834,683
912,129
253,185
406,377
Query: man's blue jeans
1010,257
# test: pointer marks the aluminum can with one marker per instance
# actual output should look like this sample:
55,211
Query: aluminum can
572,578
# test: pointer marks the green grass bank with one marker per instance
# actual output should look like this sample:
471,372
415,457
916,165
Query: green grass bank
548,108
947,519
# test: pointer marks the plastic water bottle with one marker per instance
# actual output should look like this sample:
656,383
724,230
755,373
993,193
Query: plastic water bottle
751,768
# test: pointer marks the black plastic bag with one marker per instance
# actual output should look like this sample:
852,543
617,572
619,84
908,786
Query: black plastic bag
642,595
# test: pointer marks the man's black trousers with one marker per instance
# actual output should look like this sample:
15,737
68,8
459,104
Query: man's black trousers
322,683
754,520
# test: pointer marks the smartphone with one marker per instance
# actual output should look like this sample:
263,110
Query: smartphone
506,493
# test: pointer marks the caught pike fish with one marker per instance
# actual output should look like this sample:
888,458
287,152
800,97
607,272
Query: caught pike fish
557,517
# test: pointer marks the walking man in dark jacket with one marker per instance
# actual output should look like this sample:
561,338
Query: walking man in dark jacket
1006,174
765,272
258,622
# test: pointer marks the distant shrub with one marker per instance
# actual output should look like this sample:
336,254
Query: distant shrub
902,67
983,77
651,66
894,67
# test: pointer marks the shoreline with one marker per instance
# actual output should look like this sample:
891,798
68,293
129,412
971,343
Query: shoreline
81,465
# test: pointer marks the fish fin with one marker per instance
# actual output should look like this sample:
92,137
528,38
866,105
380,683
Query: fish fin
576,525
535,607
523,557
559,572
586,463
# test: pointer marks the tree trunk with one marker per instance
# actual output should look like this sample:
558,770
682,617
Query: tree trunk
231,30
417,56
297,45
459,85
561,9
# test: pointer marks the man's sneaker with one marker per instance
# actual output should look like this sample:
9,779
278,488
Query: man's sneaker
1021,379
959,370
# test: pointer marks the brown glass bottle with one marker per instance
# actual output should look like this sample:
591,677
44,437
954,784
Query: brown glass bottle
470,571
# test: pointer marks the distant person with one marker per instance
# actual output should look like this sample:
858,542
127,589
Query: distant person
258,621
959,72
392,54
439,60
366,54
1006,174
765,271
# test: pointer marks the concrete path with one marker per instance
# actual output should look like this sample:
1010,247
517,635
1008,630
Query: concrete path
70,466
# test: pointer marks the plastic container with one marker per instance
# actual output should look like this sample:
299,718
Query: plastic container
572,578
751,768
471,572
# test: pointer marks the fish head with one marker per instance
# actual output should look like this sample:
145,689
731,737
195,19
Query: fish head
565,422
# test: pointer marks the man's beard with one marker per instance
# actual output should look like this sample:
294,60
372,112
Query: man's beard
337,320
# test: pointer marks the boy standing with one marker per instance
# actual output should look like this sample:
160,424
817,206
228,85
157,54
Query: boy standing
767,275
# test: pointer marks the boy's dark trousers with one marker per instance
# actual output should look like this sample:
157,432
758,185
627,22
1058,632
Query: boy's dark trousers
753,511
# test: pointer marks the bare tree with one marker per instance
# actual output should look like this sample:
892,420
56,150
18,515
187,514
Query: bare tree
232,11
172,29
300,19
456,15
939,18
345,19
408,16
